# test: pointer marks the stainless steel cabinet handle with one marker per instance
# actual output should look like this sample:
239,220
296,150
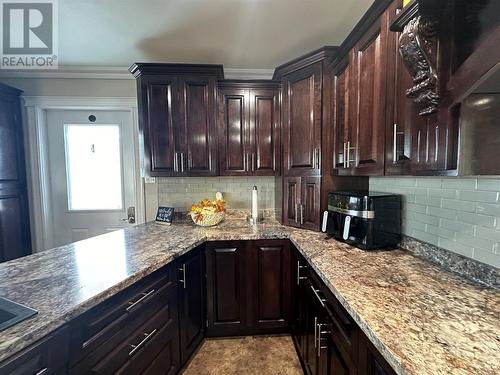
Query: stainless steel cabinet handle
315,331
42,371
253,162
321,300
316,157
296,213
182,162
345,154
176,162
144,296
301,214
320,332
348,154
183,280
394,146
298,273
141,344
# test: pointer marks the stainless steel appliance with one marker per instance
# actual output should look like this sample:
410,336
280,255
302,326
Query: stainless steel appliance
366,220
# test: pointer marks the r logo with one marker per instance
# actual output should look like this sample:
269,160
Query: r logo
27,28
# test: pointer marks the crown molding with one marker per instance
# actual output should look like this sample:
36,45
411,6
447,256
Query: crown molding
72,72
117,72
80,102
235,73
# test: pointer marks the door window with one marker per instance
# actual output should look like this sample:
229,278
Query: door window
93,167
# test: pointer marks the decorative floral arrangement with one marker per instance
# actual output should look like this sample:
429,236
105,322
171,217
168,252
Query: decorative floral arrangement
207,212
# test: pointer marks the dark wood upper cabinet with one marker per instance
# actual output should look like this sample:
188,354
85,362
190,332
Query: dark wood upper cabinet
359,85
302,119
341,114
291,201
265,125
249,128
310,209
177,118
233,131
15,239
370,88
302,202
198,126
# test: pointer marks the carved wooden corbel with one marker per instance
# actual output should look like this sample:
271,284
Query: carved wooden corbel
417,46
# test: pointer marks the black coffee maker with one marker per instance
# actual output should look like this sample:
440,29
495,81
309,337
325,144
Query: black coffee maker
368,220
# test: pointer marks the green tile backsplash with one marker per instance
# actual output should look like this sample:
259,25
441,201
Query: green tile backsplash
458,214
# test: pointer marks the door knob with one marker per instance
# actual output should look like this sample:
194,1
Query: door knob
130,215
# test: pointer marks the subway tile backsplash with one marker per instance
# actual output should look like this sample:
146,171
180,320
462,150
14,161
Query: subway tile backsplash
182,192
458,214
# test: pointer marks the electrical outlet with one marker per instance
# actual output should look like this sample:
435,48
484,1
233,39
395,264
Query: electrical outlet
149,180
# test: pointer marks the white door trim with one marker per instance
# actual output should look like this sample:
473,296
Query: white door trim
37,163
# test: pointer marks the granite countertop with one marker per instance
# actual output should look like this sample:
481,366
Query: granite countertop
423,319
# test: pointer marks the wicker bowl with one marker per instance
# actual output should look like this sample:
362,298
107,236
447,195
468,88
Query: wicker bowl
209,220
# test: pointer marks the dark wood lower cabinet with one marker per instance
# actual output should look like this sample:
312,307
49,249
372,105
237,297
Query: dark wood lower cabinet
245,288
226,288
248,287
47,356
191,270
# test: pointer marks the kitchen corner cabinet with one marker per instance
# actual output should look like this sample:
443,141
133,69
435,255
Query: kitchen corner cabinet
249,128
248,287
15,240
177,118
302,202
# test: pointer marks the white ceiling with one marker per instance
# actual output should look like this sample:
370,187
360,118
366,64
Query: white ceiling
246,34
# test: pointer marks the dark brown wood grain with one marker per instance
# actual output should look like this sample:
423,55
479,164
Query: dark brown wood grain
177,118
270,286
227,281
249,128
15,238
192,301
302,111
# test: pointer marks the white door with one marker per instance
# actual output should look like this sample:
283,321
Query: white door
91,161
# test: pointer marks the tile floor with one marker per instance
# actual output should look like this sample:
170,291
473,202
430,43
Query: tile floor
263,355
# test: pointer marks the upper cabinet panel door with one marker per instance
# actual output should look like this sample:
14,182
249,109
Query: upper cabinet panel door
11,143
291,201
302,121
401,111
197,132
264,132
310,203
158,122
367,144
233,124
341,113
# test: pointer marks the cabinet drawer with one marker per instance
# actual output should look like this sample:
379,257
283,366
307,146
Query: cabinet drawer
99,332
141,347
47,356
343,328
